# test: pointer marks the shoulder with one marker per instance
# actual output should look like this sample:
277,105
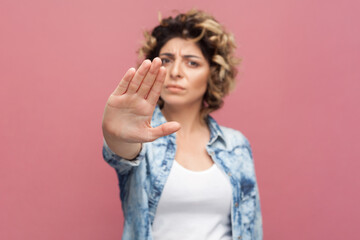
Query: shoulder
233,136
234,139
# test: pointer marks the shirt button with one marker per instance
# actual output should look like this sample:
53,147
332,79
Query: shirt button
239,237
236,204
229,173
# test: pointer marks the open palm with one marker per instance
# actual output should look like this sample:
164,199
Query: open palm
129,109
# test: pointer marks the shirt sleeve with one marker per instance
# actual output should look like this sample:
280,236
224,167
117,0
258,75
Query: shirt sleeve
122,165
258,228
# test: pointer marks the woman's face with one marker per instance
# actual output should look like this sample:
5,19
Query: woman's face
187,73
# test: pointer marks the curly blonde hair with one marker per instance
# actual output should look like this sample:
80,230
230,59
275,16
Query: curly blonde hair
216,44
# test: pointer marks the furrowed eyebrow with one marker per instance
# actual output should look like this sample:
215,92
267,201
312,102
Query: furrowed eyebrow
167,54
184,56
191,56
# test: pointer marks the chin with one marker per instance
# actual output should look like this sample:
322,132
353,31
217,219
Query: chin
174,102
179,102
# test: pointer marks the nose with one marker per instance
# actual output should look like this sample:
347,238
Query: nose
175,70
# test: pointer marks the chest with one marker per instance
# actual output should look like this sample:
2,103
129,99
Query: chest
194,199
192,154
202,190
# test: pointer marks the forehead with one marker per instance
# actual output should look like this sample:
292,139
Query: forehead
182,47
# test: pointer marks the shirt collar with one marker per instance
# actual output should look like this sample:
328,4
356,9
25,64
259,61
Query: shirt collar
215,130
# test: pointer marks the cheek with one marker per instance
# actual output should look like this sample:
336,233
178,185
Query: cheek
201,82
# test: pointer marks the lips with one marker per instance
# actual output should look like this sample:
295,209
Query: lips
173,86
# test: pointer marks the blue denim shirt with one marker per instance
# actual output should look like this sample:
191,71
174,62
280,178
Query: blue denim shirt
142,180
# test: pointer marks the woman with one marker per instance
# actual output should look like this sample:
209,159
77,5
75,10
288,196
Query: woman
181,175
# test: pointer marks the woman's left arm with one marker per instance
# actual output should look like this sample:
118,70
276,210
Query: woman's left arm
257,228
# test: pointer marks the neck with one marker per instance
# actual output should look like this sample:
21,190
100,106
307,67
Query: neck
188,116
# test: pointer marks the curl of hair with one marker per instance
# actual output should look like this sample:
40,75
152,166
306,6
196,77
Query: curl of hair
216,45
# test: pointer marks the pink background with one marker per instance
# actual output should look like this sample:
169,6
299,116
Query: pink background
297,101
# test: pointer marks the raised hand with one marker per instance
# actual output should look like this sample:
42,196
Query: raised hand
129,109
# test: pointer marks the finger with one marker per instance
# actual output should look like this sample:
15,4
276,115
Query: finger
163,130
124,83
149,78
156,88
139,76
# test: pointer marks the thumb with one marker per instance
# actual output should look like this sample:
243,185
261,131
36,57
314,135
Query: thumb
163,130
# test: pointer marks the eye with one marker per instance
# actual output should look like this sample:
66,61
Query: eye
165,61
193,63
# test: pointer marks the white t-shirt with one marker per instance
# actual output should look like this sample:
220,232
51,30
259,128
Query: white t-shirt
194,205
